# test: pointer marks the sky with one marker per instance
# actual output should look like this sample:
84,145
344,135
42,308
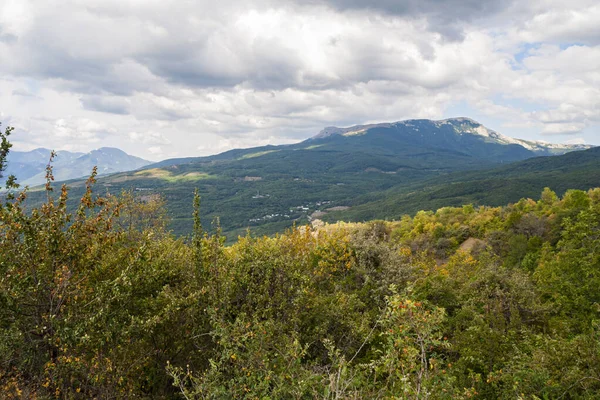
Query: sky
162,79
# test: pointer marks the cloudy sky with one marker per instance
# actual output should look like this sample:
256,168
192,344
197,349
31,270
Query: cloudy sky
162,78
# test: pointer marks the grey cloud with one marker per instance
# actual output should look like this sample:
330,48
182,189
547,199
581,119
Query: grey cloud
111,105
460,9
7,38
77,73
190,71
211,59
24,93
209,55
446,17
222,60
33,59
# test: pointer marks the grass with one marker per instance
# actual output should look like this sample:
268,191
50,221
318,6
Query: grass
258,154
162,174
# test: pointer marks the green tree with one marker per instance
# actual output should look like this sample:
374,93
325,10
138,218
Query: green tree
570,276
5,146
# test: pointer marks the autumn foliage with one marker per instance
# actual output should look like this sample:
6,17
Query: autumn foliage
105,303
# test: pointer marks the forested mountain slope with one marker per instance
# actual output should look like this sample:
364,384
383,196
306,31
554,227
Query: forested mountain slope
496,186
270,188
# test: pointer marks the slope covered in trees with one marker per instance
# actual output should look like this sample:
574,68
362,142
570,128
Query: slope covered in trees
489,302
380,171
491,187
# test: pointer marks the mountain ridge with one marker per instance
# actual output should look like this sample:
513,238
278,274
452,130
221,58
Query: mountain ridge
405,131
468,125
29,166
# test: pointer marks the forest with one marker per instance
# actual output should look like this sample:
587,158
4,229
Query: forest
462,303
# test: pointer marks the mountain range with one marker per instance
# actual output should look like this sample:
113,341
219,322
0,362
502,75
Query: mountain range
30,166
449,129
357,173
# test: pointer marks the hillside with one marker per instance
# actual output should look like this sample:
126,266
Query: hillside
270,188
492,187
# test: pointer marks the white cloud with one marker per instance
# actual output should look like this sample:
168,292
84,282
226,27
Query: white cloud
562,128
149,138
80,129
250,72
571,22
155,150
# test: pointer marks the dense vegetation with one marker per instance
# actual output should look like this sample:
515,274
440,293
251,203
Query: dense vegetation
491,187
489,302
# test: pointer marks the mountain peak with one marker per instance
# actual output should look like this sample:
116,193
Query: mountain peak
460,126
355,129
108,150
29,167
334,130
39,150
459,120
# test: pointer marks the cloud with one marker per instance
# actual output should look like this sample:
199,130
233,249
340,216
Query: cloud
453,9
575,22
23,93
264,49
111,105
249,72
7,38
563,128
447,17
155,150
152,107
149,138
575,141
81,129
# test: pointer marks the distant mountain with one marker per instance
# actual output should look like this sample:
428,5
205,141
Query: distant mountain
30,167
450,144
25,165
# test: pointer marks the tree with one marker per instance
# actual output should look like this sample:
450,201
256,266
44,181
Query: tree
5,146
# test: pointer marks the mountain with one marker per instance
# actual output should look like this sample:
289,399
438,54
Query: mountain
30,166
492,187
450,144
467,130
27,164
331,175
